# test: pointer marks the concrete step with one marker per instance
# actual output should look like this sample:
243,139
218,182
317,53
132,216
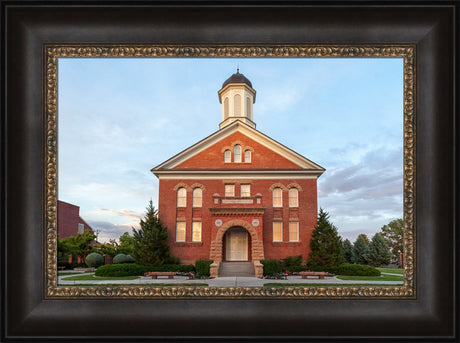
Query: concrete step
236,269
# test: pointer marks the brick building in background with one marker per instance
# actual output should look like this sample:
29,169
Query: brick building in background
238,195
69,222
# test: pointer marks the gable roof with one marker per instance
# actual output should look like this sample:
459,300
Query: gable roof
239,126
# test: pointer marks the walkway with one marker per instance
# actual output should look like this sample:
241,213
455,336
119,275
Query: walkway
232,281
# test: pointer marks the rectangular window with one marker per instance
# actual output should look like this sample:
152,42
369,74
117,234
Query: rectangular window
81,228
180,232
293,231
229,190
196,232
277,231
245,190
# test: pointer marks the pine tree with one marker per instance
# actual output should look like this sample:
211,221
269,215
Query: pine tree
347,251
379,253
325,244
150,246
360,250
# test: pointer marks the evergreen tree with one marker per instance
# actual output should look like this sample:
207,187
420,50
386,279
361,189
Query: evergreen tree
347,251
379,253
150,246
393,233
360,250
325,244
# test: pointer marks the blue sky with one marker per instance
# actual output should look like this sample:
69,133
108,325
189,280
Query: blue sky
120,117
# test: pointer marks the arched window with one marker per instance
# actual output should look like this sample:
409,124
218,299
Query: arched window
293,197
247,156
181,197
237,153
197,197
277,197
248,108
227,156
237,105
226,107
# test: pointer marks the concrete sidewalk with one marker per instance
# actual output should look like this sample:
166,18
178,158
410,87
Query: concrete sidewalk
231,281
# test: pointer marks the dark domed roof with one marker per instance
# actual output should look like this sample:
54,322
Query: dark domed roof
237,78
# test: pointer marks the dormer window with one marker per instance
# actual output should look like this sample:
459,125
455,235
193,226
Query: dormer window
237,154
247,156
227,156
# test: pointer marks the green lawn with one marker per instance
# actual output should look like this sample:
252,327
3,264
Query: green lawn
142,285
392,270
324,285
94,278
372,278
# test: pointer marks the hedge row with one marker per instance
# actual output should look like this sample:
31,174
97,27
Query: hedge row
203,267
348,269
133,269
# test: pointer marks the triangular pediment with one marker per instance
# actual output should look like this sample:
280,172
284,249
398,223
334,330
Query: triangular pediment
211,147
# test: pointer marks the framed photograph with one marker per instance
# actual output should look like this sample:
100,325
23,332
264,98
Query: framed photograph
49,124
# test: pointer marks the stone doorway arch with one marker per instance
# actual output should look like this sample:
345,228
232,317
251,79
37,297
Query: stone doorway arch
257,248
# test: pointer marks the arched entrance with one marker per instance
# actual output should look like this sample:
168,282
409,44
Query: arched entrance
256,245
236,244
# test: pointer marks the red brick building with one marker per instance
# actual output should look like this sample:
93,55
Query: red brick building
238,195
69,222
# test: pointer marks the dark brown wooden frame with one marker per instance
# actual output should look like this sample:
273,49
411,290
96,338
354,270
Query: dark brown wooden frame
26,315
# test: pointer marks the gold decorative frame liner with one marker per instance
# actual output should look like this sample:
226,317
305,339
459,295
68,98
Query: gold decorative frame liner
53,52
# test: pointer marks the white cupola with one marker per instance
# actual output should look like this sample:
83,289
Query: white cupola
237,97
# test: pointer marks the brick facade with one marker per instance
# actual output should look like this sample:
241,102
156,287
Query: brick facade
238,226
68,220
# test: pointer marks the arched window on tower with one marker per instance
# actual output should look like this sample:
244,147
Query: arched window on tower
293,197
277,197
248,108
247,156
181,197
227,156
226,107
237,105
237,153
197,197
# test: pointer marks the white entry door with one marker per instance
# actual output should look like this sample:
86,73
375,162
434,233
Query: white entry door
237,245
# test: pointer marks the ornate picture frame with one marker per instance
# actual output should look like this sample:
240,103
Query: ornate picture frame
34,308
407,53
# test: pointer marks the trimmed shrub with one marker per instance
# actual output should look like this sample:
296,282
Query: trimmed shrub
186,268
271,267
124,269
122,258
293,263
203,267
357,270
94,260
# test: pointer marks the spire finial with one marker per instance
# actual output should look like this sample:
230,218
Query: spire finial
238,69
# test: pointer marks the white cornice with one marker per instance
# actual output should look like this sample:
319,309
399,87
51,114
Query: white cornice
257,136
237,174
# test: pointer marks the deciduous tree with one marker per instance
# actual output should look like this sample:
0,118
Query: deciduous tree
393,233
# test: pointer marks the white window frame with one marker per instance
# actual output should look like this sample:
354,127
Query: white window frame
245,193
237,153
275,224
227,156
293,199
180,225
247,156
229,187
197,197
181,197
276,197
293,229
196,229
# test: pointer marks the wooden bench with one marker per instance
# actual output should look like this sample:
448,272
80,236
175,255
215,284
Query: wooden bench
155,275
320,275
